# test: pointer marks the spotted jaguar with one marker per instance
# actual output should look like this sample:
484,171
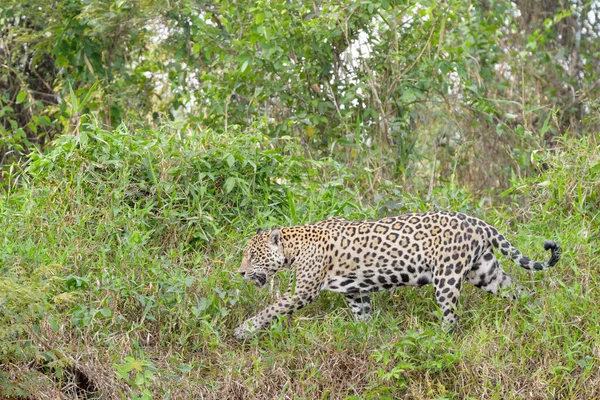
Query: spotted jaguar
356,258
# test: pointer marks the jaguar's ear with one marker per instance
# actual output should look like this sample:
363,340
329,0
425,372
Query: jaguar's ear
275,237
259,230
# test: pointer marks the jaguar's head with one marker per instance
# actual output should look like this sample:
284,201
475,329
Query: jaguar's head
263,257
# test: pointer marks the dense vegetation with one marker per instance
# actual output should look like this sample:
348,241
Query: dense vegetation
142,144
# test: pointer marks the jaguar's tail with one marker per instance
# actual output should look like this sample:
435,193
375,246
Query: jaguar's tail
502,244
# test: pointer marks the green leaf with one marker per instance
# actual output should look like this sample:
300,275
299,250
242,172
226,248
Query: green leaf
184,368
230,160
259,18
229,184
139,379
89,94
61,61
292,206
500,129
74,101
106,312
83,138
408,96
520,130
202,304
33,127
546,125
21,97
44,120
244,66
473,88
125,368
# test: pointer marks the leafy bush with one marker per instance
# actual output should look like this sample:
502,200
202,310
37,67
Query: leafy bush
188,186
570,182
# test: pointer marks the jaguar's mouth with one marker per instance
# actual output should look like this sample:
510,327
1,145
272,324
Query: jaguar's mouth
259,279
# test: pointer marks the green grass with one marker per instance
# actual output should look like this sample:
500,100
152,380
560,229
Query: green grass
117,280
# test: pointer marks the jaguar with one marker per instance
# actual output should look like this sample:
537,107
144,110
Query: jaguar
356,258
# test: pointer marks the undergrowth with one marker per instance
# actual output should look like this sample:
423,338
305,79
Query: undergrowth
117,278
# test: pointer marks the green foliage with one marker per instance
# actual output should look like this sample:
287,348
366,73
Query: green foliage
162,201
382,85
130,240
138,374
424,351
200,181
570,184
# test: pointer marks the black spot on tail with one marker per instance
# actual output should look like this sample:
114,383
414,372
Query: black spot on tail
524,261
555,248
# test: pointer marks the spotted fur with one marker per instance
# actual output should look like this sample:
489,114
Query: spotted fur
356,258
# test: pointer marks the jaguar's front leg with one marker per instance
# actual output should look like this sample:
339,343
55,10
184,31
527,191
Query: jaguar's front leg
296,298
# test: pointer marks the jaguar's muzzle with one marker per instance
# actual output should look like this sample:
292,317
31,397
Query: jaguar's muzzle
260,279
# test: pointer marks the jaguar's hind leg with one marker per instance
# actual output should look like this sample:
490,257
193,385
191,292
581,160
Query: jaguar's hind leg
488,275
360,305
